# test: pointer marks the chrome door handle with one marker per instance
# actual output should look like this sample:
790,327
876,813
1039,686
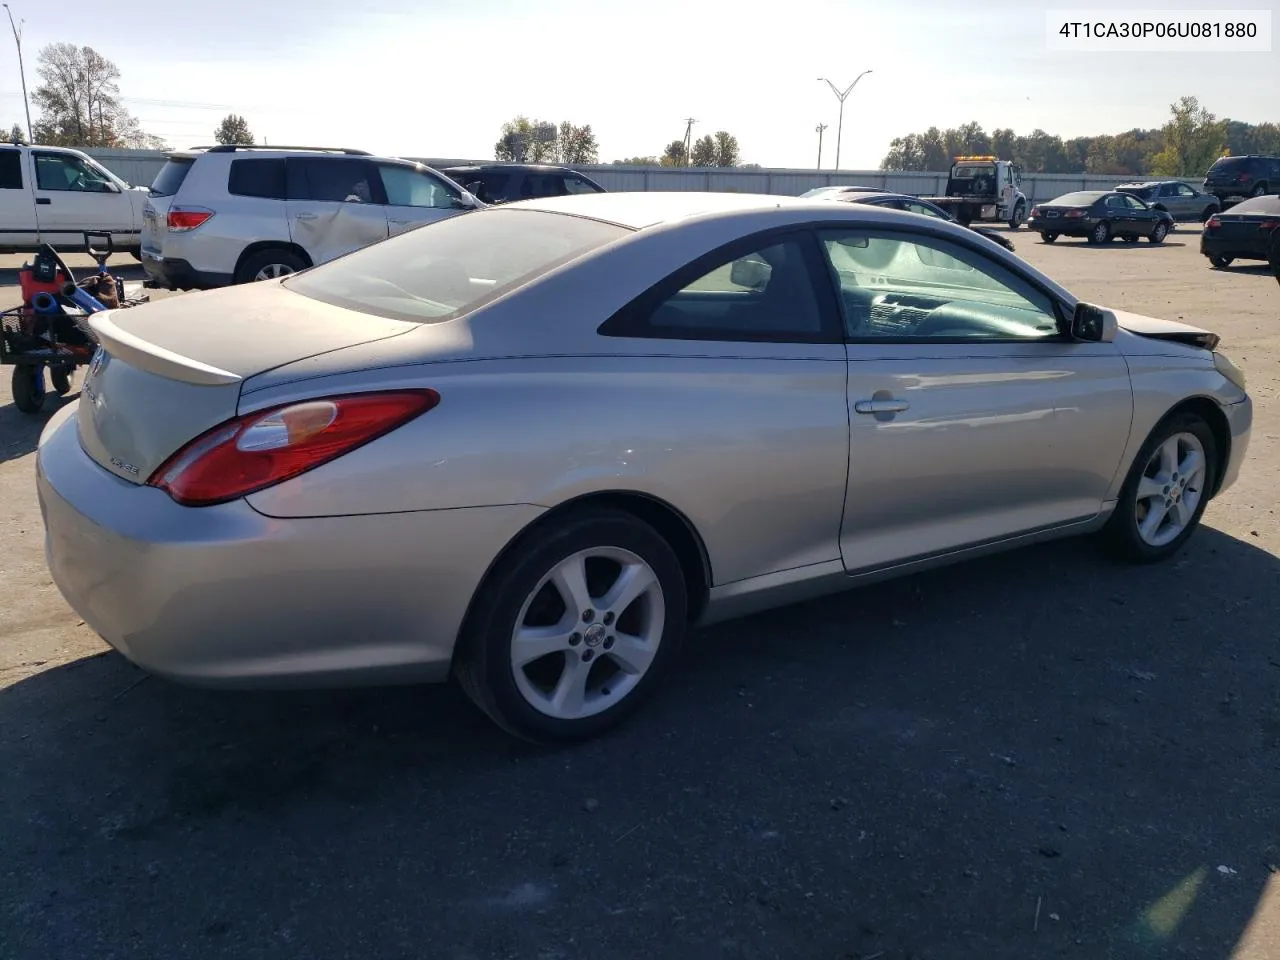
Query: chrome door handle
880,406
304,216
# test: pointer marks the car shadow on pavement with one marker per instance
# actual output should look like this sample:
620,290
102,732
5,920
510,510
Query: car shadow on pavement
20,432
1082,244
1039,754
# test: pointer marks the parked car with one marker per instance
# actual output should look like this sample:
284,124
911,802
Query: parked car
901,201
1184,202
55,195
505,182
1232,178
1250,230
215,216
1099,216
531,445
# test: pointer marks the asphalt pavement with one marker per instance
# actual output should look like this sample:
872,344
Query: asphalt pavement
1037,755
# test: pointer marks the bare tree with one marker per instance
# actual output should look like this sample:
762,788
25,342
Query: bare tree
79,101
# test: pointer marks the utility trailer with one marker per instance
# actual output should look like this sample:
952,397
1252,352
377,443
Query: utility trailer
984,189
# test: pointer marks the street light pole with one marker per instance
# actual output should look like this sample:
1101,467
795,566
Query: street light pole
819,128
841,97
17,38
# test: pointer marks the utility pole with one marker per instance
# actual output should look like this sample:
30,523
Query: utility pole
688,140
17,38
819,128
841,97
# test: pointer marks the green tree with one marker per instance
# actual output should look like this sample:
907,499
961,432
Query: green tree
726,152
233,129
79,101
576,144
674,155
1193,139
638,162
703,153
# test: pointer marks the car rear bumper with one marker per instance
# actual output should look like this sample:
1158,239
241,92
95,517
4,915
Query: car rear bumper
1062,226
1238,248
174,274
225,596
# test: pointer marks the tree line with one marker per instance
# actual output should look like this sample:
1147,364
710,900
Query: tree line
79,105
525,140
1185,146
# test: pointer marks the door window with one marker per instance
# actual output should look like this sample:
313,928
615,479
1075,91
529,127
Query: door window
1168,190
900,287
10,170
578,185
765,294
330,179
60,171
409,187
1134,203
912,206
1185,191
1117,201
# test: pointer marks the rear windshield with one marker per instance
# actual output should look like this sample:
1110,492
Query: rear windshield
447,268
1264,205
170,177
1082,199
1231,165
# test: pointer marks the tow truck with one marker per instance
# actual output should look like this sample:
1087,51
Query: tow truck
984,189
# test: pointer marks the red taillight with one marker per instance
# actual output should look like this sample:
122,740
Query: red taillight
261,449
187,218
1035,211
1213,223
1269,224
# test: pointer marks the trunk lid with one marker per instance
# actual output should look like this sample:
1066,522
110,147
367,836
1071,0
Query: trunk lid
169,370
1241,226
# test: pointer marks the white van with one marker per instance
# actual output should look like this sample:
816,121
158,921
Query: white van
54,194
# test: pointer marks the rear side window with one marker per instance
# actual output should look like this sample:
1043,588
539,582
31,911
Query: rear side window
10,170
170,177
576,184
331,179
543,185
493,185
447,268
257,178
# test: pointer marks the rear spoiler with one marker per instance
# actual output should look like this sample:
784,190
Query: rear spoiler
156,359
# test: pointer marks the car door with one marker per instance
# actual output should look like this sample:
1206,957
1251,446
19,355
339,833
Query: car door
73,195
743,349
1142,218
1120,213
17,209
972,418
334,205
415,197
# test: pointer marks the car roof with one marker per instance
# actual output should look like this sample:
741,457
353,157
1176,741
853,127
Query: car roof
527,167
640,209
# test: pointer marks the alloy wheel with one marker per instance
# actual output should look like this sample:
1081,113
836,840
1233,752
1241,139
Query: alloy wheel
273,271
1170,489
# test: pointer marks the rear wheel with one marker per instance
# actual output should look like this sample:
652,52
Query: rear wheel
1166,491
269,264
574,628
1101,233
1159,233
1048,237
28,387
1220,262
1259,190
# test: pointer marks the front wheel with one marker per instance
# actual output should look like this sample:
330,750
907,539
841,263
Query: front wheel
1159,233
1048,237
1019,215
28,387
1166,491
574,628
1101,233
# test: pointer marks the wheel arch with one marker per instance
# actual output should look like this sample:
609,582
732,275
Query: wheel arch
259,245
670,523
1210,411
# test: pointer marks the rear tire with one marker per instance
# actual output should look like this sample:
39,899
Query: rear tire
269,264
1048,237
1221,263
28,387
1101,233
526,593
60,378
1179,461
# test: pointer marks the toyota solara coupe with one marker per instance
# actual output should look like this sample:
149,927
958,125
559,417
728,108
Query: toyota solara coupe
530,446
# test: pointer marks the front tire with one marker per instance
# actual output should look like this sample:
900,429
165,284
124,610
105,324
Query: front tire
1159,233
27,386
1019,215
1221,263
1166,492
574,628
1048,237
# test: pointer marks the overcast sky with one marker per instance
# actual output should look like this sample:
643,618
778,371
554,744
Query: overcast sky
439,77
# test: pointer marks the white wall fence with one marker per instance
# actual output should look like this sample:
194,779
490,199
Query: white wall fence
141,166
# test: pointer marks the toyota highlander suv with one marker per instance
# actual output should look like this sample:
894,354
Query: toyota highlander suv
233,214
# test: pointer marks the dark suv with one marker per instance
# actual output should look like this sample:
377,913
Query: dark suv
1231,178
504,182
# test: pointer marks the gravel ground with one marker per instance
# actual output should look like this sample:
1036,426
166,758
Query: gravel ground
1035,755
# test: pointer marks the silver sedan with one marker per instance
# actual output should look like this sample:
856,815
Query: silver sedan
528,447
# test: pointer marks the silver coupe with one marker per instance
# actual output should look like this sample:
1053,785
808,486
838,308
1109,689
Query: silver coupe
530,446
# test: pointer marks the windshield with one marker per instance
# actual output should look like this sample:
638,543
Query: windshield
442,270
1082,199
1230,165
1265,205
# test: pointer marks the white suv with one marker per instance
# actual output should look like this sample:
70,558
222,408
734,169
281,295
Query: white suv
232,214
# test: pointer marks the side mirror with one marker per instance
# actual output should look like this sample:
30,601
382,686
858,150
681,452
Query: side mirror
752,274
1093,324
